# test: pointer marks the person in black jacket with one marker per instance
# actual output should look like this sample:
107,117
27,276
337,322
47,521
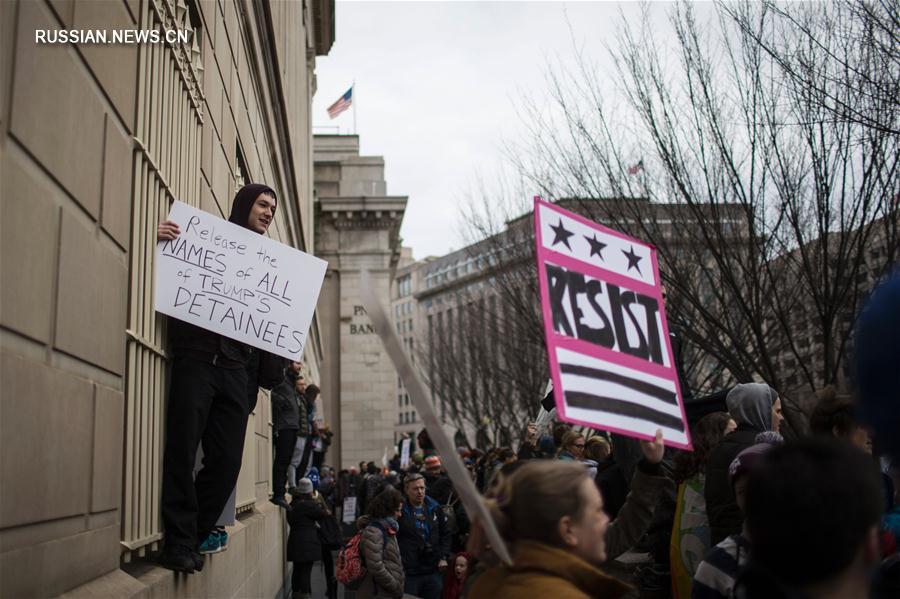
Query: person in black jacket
755,407
424,540
304,546
210,398
286,399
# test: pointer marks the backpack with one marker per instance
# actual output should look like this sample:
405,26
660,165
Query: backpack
350,569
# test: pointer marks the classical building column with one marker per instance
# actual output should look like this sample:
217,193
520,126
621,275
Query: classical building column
355,233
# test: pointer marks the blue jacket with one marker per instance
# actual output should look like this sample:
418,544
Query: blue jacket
421,557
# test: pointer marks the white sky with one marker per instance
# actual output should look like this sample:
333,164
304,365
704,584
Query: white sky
436,86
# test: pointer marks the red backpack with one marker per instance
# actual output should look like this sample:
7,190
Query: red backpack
351,565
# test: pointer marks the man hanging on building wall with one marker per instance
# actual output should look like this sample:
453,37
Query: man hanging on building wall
209,402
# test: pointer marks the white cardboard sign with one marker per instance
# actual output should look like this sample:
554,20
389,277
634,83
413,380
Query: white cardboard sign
404,453
232,281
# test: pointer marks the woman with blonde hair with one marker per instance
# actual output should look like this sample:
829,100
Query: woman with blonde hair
572,447
551,514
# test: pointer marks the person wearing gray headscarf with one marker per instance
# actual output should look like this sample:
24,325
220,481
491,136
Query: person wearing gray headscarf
756,408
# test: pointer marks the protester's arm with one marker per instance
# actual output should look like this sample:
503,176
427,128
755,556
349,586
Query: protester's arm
528,448
167,230
637,512
373,551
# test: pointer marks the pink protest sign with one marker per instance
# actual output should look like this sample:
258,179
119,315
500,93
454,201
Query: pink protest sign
607,339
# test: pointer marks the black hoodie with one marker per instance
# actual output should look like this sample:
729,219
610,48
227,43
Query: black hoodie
192,341
243,202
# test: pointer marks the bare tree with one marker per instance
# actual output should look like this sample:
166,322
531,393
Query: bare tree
763,152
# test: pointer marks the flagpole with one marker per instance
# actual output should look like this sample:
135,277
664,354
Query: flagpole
353,87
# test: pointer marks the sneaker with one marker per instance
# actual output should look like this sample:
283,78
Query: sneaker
223,537
210,544
177,558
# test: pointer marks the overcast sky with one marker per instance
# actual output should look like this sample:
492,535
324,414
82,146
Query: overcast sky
436,86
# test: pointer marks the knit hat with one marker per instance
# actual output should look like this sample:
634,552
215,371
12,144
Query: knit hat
243,202
745,460
304,486
432,462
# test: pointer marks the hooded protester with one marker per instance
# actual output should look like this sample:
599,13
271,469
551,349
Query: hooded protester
213,388
756,408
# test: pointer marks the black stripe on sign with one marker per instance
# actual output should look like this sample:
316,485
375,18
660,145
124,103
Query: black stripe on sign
644,387
587,401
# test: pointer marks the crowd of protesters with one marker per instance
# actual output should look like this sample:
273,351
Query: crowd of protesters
753,515
746,514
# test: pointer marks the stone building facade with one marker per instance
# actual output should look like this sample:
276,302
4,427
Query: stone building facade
357,229
96,141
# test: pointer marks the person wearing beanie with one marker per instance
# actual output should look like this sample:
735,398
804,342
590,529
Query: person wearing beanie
304,547
213,387
755,408
718,571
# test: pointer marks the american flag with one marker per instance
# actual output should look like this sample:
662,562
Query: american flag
342,104
635,169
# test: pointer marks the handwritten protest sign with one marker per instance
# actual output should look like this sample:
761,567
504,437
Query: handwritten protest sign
404,453
237,283
348,513
605,327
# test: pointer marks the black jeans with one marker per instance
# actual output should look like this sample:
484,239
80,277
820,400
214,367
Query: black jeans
307,454
330,580
318,458
207,404
284,448
301,579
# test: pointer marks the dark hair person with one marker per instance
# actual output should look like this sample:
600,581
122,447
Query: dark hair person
834,416
384,568
813,509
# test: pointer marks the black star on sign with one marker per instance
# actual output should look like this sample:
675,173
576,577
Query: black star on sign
633,260
596,246
561,234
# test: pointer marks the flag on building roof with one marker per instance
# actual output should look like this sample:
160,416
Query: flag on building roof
342,104
635,169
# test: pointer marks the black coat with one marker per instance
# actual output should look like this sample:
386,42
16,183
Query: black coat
725,517
612,485
418,556
303,541
286,406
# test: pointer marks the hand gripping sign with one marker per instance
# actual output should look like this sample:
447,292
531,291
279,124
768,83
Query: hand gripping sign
605,327
237,283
